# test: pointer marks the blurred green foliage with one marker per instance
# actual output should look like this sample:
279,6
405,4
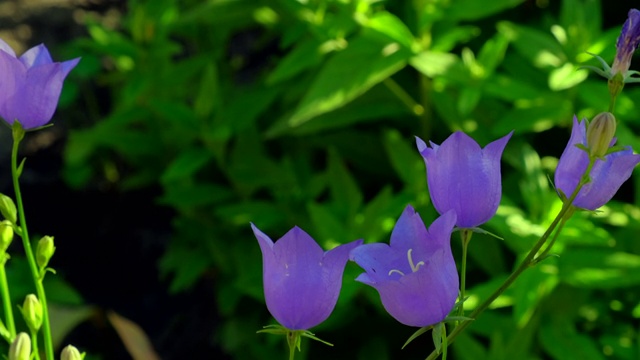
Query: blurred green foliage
303,113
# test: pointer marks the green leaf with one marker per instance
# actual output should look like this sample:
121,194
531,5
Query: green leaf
582,22
599,268
528,291
561,340
433,64
404,157
390,25
185,264
306,54
345,192
348,74
540,48
535,115
492,53
566,76
208,97
186,164
474,10
330,229
375,104
182,195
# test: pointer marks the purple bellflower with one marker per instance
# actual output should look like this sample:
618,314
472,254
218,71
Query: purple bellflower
627,44
606,176
30,85
301,281
464,177
619,74
415,274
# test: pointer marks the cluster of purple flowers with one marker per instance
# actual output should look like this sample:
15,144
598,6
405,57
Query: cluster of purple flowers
415,274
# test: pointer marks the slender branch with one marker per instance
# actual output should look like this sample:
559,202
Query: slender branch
406,99
48,344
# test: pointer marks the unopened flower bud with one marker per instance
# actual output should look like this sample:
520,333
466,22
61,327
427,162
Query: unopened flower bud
32,312
8,208
600,133
20,348
45,251
70,353
6,235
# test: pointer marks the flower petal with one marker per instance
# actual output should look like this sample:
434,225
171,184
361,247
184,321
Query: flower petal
36,56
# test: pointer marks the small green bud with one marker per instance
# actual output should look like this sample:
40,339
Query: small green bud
32,312
45,251
71,353
8,208
600,133
20,348
6,235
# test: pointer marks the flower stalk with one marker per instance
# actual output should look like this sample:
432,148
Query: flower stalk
18,135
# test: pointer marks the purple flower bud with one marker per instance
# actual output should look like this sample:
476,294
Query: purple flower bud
301,281
464,177
415,274
606,176
30,85
627,43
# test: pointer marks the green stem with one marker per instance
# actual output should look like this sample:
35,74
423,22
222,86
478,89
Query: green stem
48,344
406,99
528,261
465,236
34,345
546,251
6,300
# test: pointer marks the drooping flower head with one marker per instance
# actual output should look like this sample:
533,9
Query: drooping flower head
301,281
30,85
627,44
464,177
415,274
606,176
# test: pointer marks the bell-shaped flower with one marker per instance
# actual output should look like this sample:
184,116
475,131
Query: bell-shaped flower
301,281
415,274
30,85
607,175
464,177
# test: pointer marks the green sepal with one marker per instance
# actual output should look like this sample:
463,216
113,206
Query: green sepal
20,167
458,318
8,208
542,258
420,331
17,131
294,337
439,335
485,232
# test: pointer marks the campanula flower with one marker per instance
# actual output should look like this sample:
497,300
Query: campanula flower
627,44
464,177
607,174
415,274
301,281
619,74
30,85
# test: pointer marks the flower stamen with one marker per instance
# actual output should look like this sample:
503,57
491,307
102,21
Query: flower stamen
414,267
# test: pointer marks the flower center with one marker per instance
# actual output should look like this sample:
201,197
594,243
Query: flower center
414,267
